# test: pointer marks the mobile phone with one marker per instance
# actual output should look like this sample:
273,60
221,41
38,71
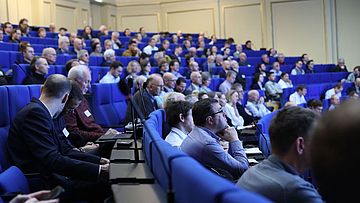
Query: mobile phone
53,194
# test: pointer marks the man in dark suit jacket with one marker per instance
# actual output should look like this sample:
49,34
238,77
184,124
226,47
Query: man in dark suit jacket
35,147
145,98
177,52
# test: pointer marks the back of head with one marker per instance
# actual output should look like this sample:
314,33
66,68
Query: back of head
78,72
174,109
289,124
202,109
334,151
56,86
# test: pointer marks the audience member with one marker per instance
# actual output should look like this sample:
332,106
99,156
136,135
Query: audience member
257,83
39,68
356,87
103,31
315,105
206,80
81,121
231,110
35,147
180,85
278,177
196,82
87,33
15,36
276,69
146,99
27,53
334,153
281,59
127,32
297,70
353,75
244,113
337,89
8,28
78,45
228,82
116,43
340,66
50,55
243,59
309,69
113,76
285,81
272,89
334,102
150,47
83,56
132,49
255,104
109,57
41,32
179,117
63,45
248,45
298,97
52,27
96,49
71,63
203,142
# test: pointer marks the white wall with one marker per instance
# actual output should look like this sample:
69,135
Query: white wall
348,31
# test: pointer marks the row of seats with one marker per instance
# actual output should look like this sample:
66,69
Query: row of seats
180,174
314,91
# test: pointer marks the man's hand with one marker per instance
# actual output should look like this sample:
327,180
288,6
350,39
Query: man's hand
261,100
89,147
112,132
32,198
104,161
229,134
105,167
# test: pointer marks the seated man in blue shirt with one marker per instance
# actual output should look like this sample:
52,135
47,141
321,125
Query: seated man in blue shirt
278,177
203,142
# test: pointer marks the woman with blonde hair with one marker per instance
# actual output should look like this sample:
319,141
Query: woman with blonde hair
231,110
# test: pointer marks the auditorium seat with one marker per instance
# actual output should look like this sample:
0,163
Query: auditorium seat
12,180
22,70
263,136
108,105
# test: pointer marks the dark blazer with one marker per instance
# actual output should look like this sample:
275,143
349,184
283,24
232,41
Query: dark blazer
35,147
247,118
145,102
34,78
174,57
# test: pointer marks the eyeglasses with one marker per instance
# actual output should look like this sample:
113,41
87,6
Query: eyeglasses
220,111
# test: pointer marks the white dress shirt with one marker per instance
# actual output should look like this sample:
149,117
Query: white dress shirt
331,92
175,137
295,97
108,78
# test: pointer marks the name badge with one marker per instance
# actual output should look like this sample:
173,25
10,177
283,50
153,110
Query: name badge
87,113
65,132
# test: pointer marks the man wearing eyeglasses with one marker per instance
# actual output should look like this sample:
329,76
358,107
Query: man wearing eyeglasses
203,142
145,99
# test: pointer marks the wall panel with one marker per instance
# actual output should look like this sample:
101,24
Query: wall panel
192,21
243,22
134,22
348,31
298,27
66,17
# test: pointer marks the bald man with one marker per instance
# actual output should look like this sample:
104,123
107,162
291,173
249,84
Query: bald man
50,55
145,99
255,105
196,81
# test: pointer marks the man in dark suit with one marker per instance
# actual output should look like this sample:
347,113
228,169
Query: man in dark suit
145,99
35,147
177,54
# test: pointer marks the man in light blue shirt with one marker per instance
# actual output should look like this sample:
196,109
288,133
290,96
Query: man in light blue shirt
255,104
203,142
113,76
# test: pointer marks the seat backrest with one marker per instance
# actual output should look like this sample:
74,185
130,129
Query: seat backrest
12,180
190,177
242,195
103,110
16,103
162,156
